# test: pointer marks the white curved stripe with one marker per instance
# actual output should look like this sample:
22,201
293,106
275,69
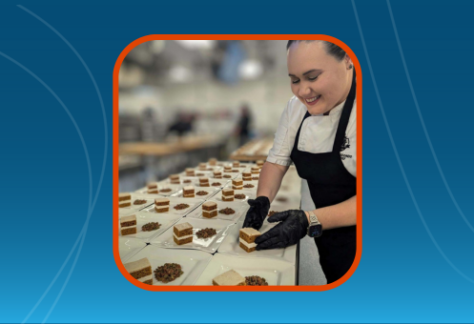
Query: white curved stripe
398,157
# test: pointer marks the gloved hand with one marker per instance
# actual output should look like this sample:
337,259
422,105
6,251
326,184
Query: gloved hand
257,212
293,227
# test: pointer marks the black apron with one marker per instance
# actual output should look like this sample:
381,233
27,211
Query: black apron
330,183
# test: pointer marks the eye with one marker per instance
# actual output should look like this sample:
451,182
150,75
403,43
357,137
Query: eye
312,79
295,81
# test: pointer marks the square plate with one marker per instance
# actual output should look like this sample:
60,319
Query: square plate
239,207
209,245
175,188
248,195
275,272
254,183
192,202
166,221
149,200
231,246
211,191
192,263
129,246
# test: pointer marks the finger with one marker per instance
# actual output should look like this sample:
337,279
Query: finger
252,202
278,217
267,235
277,245
255,225
269,244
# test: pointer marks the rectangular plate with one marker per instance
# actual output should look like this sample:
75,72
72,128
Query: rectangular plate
275,272
192,263
149,200
175,188
239,207
166,221
192,202
209,245
128,247
211,192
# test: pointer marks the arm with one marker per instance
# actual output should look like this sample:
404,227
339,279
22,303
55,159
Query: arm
339,215
270,180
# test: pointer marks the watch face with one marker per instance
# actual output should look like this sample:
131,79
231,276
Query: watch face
315,230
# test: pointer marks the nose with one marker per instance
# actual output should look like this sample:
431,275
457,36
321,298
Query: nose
304,90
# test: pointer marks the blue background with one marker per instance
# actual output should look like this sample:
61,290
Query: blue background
418,243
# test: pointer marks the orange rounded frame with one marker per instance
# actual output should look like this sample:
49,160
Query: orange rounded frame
115,157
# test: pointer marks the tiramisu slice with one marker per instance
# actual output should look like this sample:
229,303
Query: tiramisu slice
162,205
217,174
237,184
140,270
255,170
235,164
183,233
204,182
247,238
128,225
228,194
212,161
174,179
125,196
189,172
188,192
260,163
209,209
227,168
247,175
229,278
202,166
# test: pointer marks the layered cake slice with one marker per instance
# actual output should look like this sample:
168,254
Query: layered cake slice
217,174
125,200
209,209
140,270
255,170
228,194
152,188
128,225
152,185
229,278
212,161
247,238
227,168
188,192
125,196
183,233
247,175
235,164
162,205
174,179
260,163
237,184
189,172
204,182
202,166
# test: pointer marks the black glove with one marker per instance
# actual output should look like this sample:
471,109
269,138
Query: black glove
257,212
293,227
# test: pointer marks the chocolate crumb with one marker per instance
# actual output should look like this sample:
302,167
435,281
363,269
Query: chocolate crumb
151,226
227,176
216,184
239,196
139,202
255,281
227,211
248,185
206,233
201,193
181,206
165,190
168,272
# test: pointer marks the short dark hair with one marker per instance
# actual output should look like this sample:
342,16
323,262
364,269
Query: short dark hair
331,48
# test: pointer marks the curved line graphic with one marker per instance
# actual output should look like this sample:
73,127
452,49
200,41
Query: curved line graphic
425,131
420,214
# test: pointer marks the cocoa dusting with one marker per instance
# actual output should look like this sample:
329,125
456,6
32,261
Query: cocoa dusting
248,185
201,193
181,206
255,281
168,272
151,226
206,233
239,196
139,202
227,211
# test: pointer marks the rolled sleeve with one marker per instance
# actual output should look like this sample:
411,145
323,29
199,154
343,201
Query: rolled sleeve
280,152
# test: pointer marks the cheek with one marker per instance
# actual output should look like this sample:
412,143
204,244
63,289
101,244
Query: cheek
294,89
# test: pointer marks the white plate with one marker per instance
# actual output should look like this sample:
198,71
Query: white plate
128,247
211,192
209,245
239,207
175,188
133,208
166,221
223,182
231,246
248,195
192,202
233,175
192,263
275,272
254,183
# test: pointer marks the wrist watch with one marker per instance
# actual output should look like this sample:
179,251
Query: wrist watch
315,229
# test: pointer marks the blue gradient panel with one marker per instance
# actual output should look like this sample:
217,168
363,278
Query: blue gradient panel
418,244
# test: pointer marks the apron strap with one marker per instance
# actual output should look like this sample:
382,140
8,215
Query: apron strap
346,113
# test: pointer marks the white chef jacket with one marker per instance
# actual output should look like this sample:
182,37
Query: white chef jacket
317,134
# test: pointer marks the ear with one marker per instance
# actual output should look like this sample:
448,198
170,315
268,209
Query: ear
348,62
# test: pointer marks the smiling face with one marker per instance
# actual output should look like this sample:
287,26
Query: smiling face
318,79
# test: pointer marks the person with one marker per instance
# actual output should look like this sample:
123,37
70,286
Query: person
243,125
317,132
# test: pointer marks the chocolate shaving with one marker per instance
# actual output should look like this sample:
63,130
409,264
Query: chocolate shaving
228,176
239,196
201,193
255,281
151,226
206,233
181,206
165,190
168,272
139,202
227,211
216,184
248,185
